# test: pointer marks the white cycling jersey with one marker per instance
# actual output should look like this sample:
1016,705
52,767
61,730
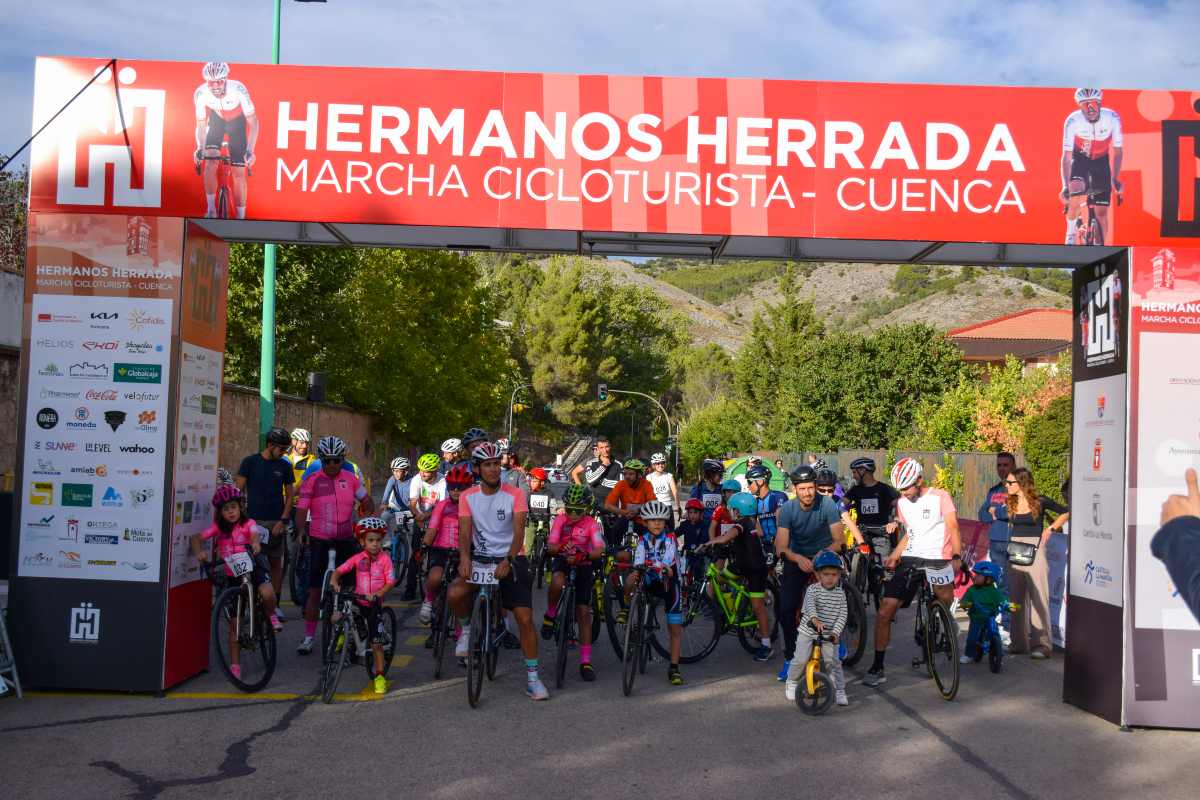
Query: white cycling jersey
925,521
1092,139
231,105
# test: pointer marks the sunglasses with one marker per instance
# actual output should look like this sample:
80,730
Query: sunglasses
333,460
1012,483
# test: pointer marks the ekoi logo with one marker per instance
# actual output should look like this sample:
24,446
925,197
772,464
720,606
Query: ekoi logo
92,127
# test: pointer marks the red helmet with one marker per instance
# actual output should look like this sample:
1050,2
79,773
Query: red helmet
539,473
459,477
694,503
225,494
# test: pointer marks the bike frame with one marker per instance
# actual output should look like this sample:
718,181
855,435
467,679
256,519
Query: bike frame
731,602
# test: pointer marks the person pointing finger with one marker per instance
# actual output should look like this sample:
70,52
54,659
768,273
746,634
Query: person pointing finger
1177,542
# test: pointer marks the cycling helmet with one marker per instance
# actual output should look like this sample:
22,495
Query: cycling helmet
658,458
215,71
826,477
400,463
578,496
473,436
279,437
804,474
635,464
451,445
744,503
752,460
331,447
694,503
460,477
301,435
485,451
863,463
758,473
655,509
539,473
986,568
906,473
826,559
1083,95
730,485
224,477
712,465
819,464
226,494
504,445
367,525
429,462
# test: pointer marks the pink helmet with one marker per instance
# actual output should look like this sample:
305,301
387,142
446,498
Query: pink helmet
485,451
224,494
906,472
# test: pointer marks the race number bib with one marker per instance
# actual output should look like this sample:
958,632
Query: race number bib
539,501
240,564
483,574
712,500
870,505
940,577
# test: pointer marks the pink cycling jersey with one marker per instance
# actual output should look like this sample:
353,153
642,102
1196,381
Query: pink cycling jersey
444,523
330,503
370,574
582,535
237,540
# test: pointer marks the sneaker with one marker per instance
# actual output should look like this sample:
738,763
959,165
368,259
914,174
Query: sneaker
380,684
536,690
874,677
841,699
426,613
1038,655
547,627
463,644
675,676
789,690
587,672
306,646
965,659
279,613
275,623
763,653
782,676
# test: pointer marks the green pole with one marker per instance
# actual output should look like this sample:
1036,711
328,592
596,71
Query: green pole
266,368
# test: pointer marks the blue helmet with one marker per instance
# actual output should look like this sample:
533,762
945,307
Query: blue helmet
730,485
744,503
987,569
827,559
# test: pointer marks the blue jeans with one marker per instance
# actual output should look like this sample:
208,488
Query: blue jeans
975,632
998,554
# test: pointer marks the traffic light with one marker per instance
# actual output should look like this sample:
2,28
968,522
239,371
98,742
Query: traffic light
602,391
519,407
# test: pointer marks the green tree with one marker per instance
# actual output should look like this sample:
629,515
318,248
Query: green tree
946,422
705,375
718,428
1048,446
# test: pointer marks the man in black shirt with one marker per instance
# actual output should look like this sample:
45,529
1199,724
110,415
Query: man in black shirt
873,501
266,479
601,475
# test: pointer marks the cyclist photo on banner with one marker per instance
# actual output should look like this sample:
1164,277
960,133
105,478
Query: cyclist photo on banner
1091,168
225,120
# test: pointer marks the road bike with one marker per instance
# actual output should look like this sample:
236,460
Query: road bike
640,629
241,632
539,559
299,560
1087,224
854,636
351,640
442,621
935,632
565,625
815,692
225,205
487,626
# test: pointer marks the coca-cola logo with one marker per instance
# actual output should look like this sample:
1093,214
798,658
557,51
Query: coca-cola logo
101,394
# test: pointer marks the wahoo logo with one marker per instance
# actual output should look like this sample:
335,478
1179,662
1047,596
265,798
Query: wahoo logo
92,128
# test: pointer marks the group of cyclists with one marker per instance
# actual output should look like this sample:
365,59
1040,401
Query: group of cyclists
473,503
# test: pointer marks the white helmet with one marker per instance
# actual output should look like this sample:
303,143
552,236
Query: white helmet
655,509
1084,95
216,71
400,462
658,458
906,473
451,445
331,447
301,435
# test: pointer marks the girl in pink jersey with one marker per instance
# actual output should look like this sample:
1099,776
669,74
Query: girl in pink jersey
441,537
373,578
575,540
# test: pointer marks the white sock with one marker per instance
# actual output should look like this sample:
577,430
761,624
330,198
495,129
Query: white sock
211,199
766,641
241,212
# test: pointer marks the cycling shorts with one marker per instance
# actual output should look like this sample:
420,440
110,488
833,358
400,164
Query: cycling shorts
440,556
756,580
902,586
583,577
667,589
318,550
1096,174
235,129
516,590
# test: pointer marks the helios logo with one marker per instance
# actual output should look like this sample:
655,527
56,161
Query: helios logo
85,624
93,127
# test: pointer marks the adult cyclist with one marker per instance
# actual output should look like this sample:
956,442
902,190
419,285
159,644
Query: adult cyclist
470,440
396,514
601,475
664,487
224,110
1091,161
298,455
330,497
708,490
872,501
625,502
451,455
758,483
491,519
930,542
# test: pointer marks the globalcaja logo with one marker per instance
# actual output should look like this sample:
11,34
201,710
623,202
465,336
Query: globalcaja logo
137,373
140,318
47,418
105,395
51,370
139,449
41,493
112,498
81,421
77,494
88,370
94,345
97,447
140,535
141,397
85,624
100,538
115,419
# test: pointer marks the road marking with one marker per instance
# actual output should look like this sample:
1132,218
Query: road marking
415,640
402,661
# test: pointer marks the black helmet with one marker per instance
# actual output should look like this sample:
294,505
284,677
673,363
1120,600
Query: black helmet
804,474
278,436
712,465
758,473
826,477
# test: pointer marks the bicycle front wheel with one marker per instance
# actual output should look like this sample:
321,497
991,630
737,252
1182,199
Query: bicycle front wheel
941,650
496,629
614,604
443,624
566,614
298,575
995,653
475,667
854,635
238,638
748,634
819,699
336,657
387,632
701,630
632,644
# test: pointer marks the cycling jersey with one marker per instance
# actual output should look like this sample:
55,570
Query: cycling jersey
231,105
626,495
238,540
370,574
1092,139
724,522
710,496
491,517
925,521
314,467
444,523
661,481
583,534
602,479
656,551
692,535
300,465
748,556
542,505
873,504
424,496
767,506
330,503
395,494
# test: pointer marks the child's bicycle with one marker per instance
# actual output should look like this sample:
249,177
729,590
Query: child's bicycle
816,692
351,640
539,559
242,635
566,624
990,643
443,616
640,629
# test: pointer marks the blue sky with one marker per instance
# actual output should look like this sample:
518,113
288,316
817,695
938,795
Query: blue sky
1121,43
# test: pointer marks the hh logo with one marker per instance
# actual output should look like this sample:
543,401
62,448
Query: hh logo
92,129
85,624
1181,184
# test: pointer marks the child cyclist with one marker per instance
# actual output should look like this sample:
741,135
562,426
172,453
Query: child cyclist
373,578
441,537
744,534
656,561
824,611
575,540
236,533
982,602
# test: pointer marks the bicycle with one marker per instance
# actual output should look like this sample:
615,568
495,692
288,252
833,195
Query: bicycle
401,544
298,567
854,636
351,640
868,572
565,626
990,643
816,692
639,631
225,196
935,633
443,616
1087,224
539,561
239,626
487,626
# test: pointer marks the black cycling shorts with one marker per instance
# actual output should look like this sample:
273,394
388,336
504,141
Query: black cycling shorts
1096,174
516,590
235,129
668,590
440,556
583,578
318,550
756,580
903,586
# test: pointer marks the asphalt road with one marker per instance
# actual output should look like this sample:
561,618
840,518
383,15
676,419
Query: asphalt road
727,733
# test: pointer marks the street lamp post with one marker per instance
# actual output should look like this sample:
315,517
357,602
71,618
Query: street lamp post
512,399
674,450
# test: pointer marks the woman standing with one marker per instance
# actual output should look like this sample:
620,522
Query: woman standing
665,489
1028,577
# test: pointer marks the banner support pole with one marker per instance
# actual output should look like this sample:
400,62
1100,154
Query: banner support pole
266,367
